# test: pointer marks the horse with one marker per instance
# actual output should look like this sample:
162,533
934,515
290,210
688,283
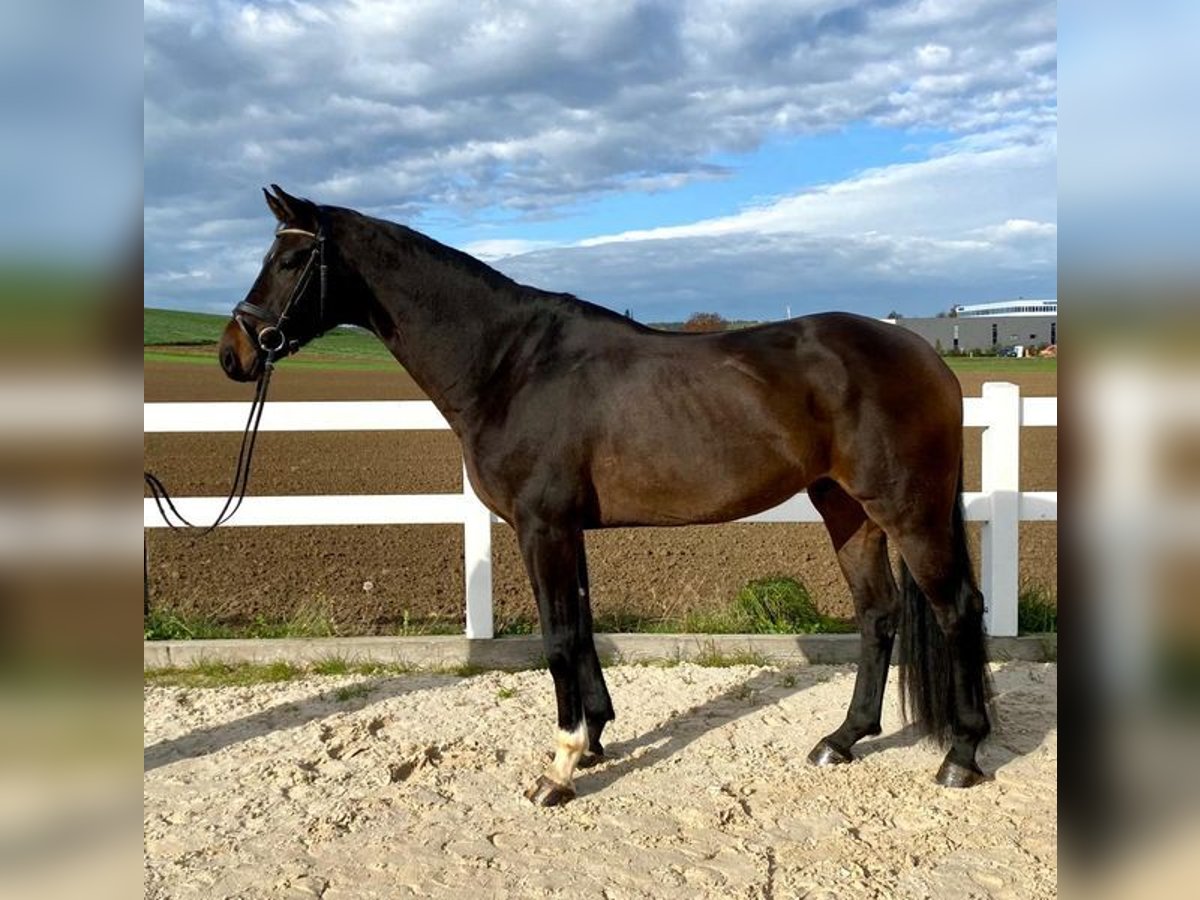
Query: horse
573,418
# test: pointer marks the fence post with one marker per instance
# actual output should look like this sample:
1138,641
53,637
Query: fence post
1001,459
477,563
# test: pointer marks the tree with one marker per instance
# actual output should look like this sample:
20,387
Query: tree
895,315
705,321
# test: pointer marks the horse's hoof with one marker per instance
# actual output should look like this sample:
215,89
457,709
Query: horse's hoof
825,754
952,775
590,759
549,793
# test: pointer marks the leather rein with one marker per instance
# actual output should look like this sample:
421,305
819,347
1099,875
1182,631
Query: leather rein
273,344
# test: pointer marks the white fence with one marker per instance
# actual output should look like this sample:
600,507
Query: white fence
1001,505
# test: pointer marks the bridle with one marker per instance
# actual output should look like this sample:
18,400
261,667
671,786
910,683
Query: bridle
273,344
270,339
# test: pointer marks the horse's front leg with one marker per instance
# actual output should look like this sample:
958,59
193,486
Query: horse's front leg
551,557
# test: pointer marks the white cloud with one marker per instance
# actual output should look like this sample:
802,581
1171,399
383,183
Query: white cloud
975,224
500,248
944,196
533,107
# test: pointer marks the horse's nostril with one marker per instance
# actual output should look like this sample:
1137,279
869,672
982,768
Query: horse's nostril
228,361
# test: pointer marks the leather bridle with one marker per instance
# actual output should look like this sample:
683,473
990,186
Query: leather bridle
270,339
273,344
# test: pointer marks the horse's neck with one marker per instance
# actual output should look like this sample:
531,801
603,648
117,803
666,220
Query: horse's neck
446,326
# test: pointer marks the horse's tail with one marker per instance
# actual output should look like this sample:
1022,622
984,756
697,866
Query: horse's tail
926,674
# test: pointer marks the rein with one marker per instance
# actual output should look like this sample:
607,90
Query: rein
271,342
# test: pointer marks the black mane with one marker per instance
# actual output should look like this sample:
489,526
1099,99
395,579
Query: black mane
478,271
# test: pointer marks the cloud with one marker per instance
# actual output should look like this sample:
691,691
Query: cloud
943,196
760,275
501,248
971,224
528,108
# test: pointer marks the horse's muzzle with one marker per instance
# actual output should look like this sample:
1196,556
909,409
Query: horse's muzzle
238,358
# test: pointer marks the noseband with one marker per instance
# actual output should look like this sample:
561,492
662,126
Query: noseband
270,339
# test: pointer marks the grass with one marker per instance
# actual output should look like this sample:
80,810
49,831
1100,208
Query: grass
775,605
782,605
312,619
353,691
709,657
345,348
218,674
1001,365
352,349
168,326
1037,611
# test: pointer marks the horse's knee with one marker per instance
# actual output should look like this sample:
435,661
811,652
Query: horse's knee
879,624
562,652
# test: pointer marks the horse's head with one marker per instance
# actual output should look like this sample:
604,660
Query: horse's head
285,308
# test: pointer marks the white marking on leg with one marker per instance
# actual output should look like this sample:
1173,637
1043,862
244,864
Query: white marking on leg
568,748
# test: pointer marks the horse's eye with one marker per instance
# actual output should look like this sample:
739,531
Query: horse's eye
292,260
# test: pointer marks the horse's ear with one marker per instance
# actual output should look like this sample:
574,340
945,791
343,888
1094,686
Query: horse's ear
296,211
277,209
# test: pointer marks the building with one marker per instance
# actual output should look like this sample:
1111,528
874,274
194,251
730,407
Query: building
990,327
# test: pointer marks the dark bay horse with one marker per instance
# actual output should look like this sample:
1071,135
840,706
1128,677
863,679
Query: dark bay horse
572,417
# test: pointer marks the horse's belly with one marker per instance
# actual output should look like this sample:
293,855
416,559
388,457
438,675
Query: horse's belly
681,492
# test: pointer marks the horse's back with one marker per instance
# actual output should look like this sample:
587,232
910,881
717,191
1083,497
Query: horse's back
647,427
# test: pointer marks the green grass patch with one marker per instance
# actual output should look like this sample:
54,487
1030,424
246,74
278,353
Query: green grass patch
466,670
1037,612
169,326
335,665
218,674
427,626
782,605
312,619
506,693
353,691
774,605
710,657
166,327
168,625
1001,365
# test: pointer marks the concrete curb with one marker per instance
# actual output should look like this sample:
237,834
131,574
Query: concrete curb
451,651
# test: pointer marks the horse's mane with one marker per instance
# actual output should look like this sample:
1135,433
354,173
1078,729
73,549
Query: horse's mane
474,268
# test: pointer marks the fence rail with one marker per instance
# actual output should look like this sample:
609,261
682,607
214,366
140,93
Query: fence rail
1001,506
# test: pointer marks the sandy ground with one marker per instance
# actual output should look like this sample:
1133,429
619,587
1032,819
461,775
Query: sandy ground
238,574
415,790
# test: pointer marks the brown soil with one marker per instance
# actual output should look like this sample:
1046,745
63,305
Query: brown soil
369,579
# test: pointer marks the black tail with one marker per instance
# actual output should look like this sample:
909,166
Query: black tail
926,687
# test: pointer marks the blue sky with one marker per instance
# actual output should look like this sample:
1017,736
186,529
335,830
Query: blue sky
663,157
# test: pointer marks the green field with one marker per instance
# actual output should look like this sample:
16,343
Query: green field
168,326
167,335
1000,365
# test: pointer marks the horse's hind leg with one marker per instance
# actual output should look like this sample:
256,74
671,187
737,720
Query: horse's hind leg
597,705
551,555
946,684
862,554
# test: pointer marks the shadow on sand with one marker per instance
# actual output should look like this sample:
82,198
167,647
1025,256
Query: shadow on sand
1018,730
282,717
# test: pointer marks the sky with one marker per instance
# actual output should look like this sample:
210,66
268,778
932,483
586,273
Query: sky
752,158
